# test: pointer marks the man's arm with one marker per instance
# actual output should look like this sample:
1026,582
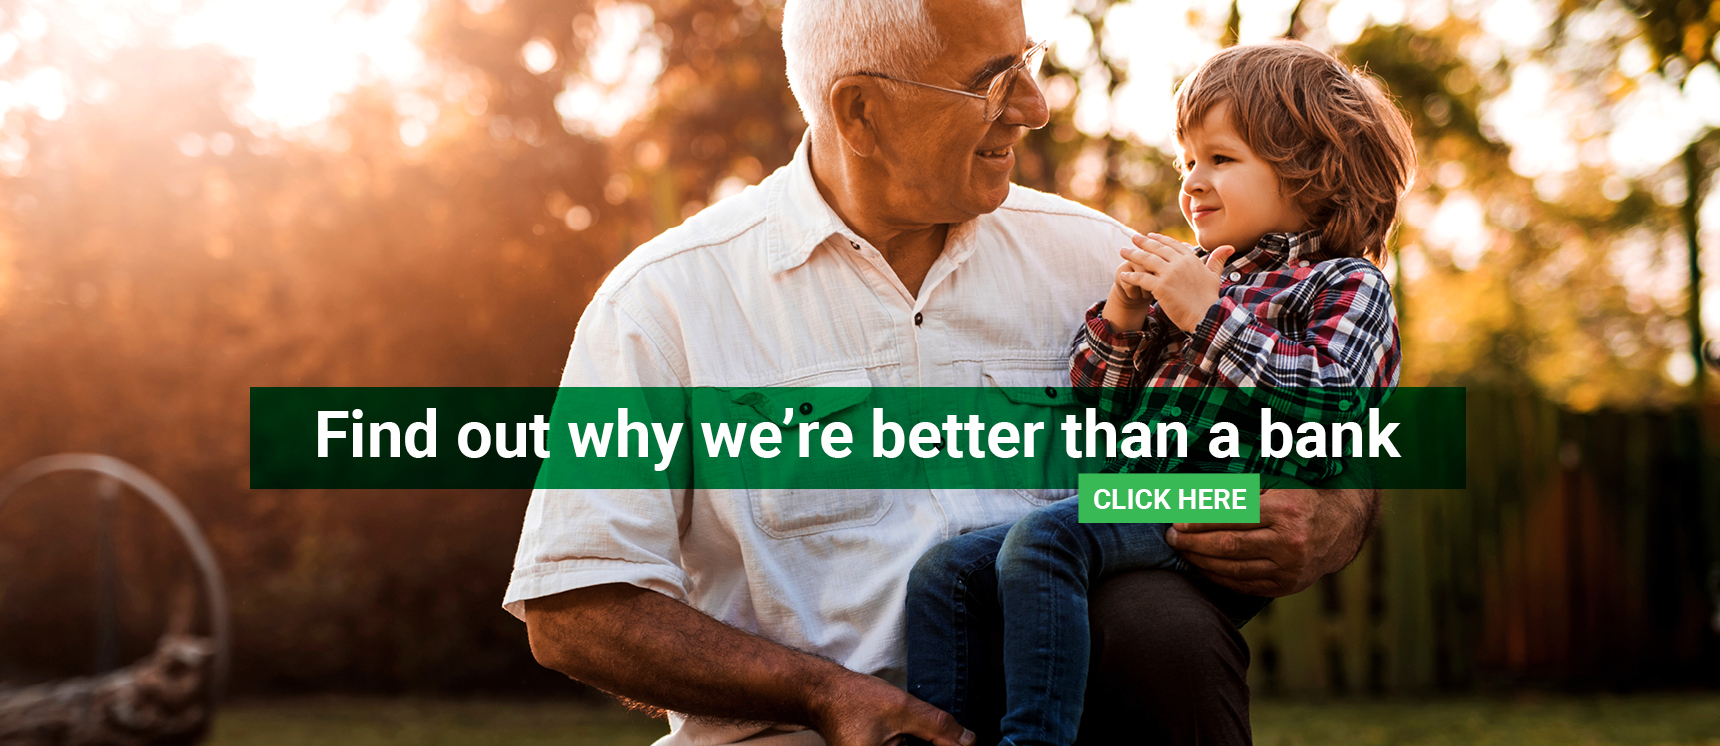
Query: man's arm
1302,536
619,632
648,647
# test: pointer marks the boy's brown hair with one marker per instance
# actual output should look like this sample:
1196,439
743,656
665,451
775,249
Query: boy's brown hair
1340,146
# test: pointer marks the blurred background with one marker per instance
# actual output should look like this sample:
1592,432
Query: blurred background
200,197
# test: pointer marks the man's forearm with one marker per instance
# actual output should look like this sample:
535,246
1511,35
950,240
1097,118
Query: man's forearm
645,646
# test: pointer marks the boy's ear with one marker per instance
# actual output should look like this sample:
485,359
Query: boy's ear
853,100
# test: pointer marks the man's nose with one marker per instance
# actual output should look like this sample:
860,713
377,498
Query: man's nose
1026,106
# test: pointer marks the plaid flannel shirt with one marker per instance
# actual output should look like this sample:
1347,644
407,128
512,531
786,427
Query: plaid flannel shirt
1311,336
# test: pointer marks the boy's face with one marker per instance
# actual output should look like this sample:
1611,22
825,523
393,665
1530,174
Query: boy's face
1230,196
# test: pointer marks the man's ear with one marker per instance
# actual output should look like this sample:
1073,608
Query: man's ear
853,104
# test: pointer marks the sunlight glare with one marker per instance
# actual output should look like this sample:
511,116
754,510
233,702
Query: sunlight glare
1459,228
304,54
1264,19
42,89
622,65
1532,119
538,55
1521,24
1653,124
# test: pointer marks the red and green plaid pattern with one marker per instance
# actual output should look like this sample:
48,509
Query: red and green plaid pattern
1313,337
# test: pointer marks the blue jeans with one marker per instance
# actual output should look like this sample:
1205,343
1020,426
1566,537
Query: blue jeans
1032,580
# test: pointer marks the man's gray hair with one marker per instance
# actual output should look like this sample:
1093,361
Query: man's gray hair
826,40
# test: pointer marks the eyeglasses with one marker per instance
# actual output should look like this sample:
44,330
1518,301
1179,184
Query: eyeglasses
997,92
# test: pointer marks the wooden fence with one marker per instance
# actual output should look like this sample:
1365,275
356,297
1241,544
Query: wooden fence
1582,555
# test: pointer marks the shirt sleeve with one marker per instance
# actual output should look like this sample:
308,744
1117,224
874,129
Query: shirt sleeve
1108,366
579,538
1350,341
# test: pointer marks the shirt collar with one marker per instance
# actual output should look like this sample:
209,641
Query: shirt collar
804,220
1279,250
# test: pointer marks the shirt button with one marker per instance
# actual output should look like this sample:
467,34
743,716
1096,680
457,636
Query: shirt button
806,407
855,245
1302,263
919,318
1051,392
1234,276
1174,411
1344,405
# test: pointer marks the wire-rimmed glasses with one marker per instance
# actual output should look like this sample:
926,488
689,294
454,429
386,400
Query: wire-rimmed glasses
997,92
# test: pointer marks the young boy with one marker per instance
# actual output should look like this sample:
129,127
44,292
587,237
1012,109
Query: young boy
1293,166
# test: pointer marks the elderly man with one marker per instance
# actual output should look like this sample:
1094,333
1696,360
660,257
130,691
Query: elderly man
892,251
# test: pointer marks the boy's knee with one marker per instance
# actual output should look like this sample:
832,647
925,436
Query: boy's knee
1047,531
934,569
944,565
1050,521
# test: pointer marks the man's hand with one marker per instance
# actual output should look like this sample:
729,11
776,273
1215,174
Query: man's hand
1184,284
1302,536
861,710
652,649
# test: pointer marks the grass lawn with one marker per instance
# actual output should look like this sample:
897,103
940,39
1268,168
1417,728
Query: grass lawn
428,722
1643,720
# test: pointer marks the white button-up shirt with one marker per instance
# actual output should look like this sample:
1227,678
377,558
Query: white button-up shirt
770,288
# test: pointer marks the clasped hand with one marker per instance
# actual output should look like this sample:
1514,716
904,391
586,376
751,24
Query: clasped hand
1163,269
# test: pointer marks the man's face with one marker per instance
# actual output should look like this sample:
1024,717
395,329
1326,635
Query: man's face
1230,195
945,163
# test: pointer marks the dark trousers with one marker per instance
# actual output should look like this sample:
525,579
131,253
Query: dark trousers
1169,665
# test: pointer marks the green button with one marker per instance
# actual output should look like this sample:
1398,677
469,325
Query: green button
1170,498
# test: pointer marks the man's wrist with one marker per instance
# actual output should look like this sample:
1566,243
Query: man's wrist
829,686
1361,513
841,698
1367,521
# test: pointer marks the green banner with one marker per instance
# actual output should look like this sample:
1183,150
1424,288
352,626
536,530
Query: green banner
846,437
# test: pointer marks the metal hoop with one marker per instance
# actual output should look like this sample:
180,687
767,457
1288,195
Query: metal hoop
214,589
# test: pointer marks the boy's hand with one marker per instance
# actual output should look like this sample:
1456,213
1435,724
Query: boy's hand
1184,285
1126,306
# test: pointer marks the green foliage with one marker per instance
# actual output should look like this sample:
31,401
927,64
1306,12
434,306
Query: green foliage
1541,304
1681,32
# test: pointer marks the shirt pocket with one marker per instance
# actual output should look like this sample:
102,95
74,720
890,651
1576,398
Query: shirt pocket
786,513
1034,383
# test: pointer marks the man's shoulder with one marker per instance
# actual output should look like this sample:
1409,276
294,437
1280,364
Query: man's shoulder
723,232
1031,204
